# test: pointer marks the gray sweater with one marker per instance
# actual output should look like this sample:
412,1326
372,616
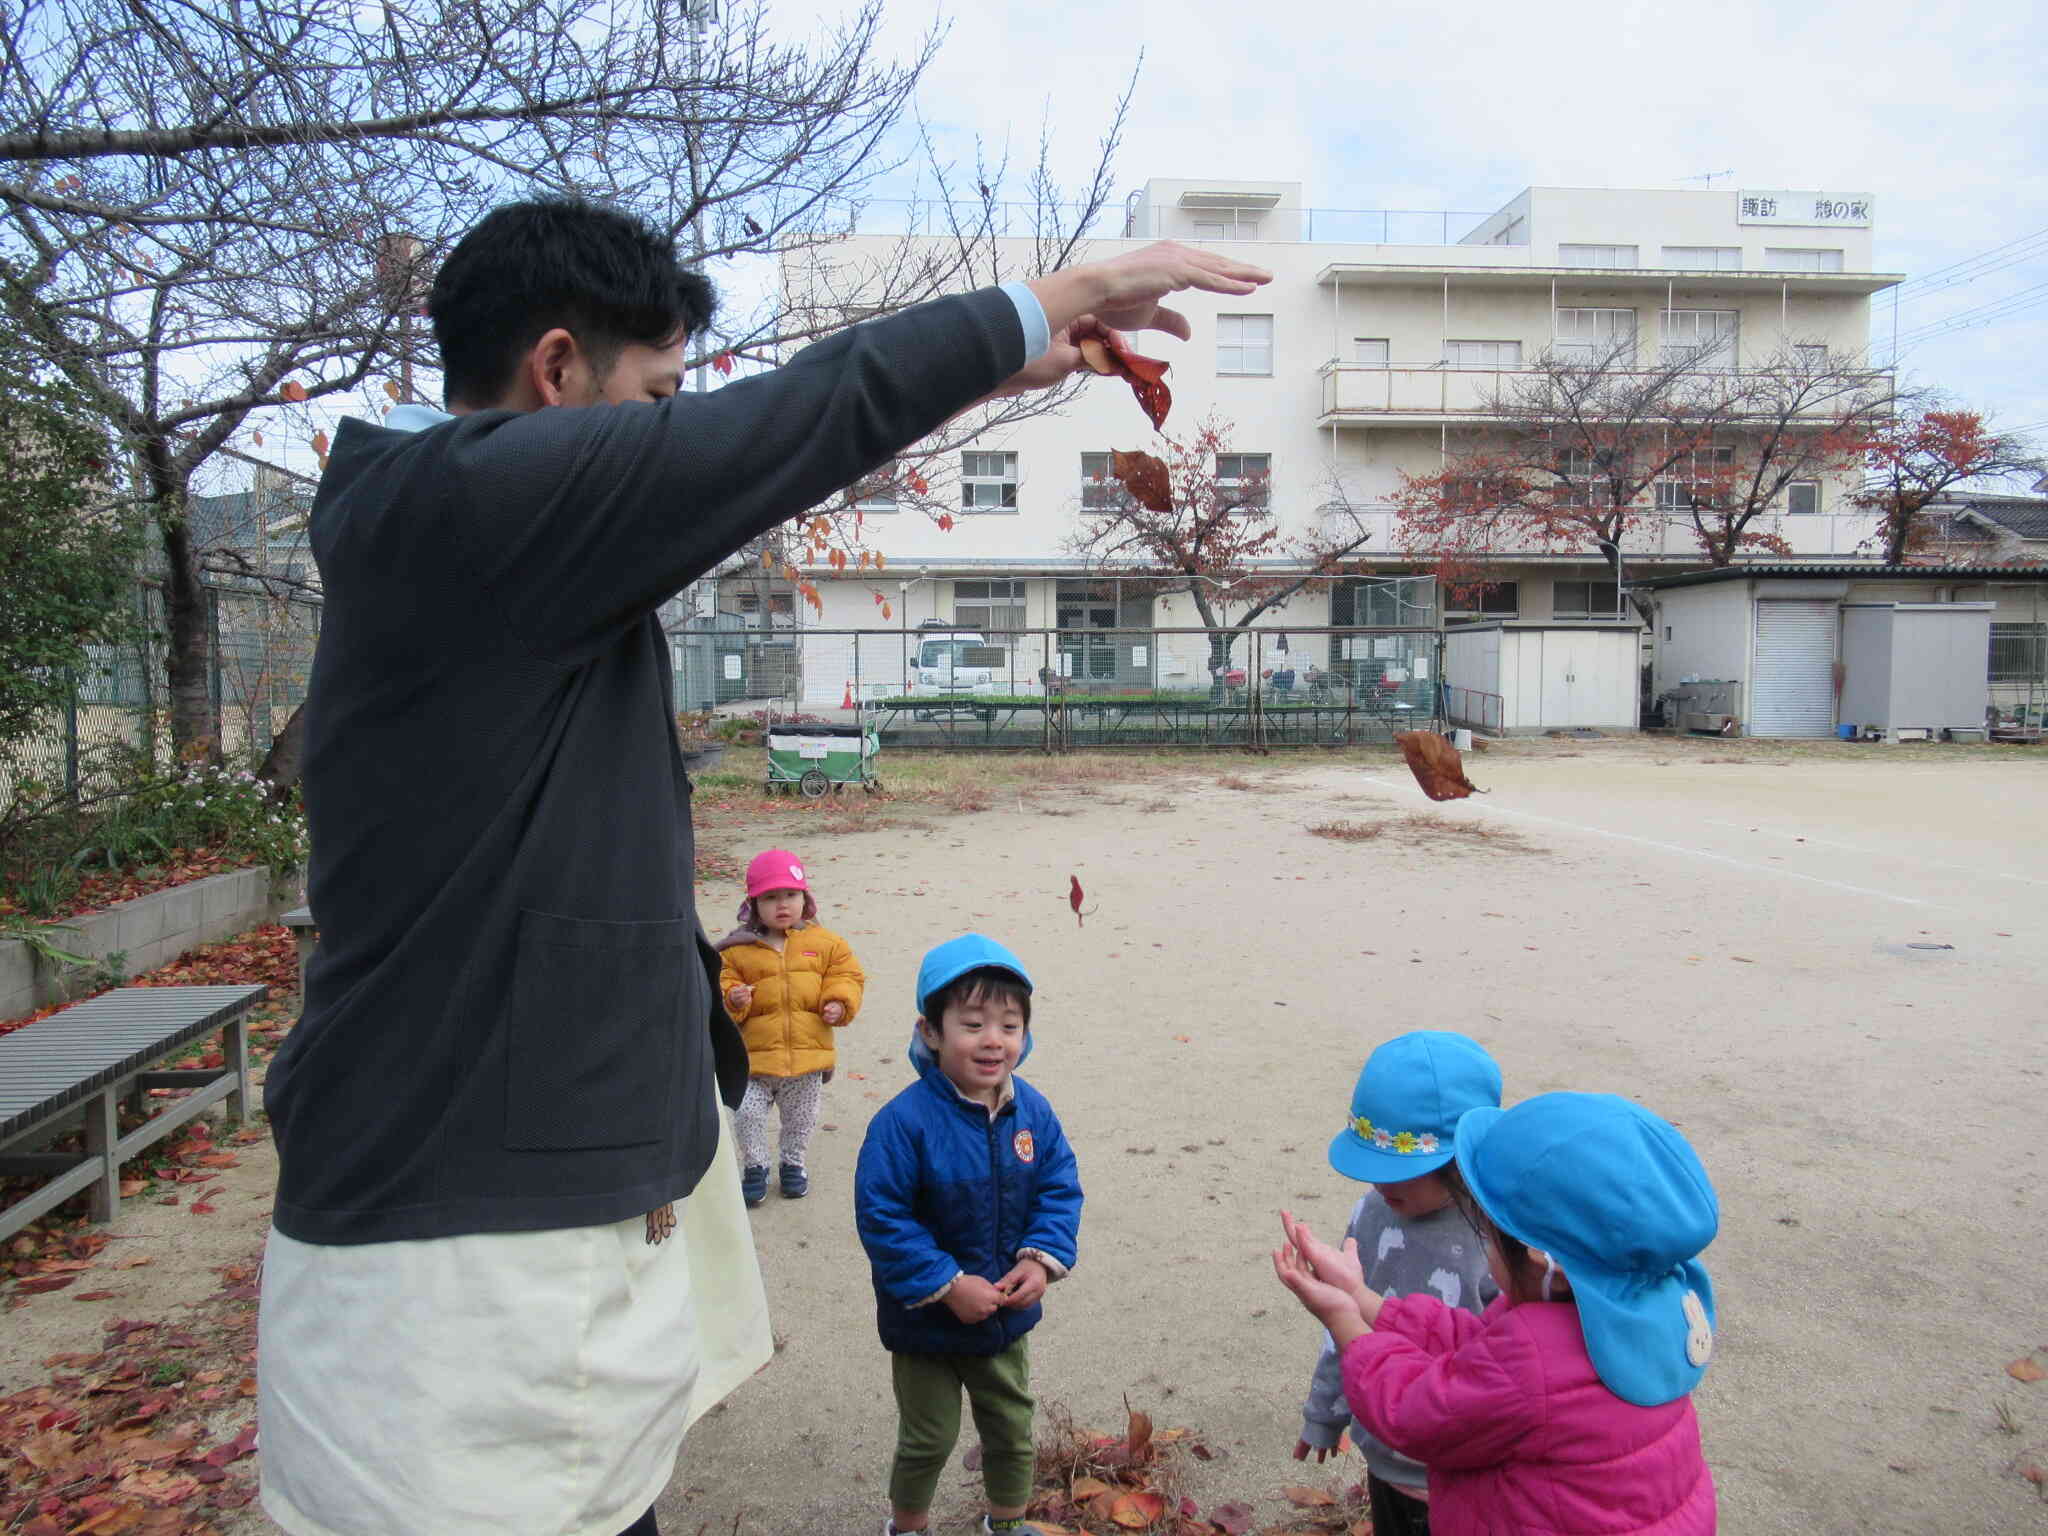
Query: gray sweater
1439,1254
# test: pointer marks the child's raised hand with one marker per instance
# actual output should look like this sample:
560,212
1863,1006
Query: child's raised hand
834,1012
1334,1309
1339,1266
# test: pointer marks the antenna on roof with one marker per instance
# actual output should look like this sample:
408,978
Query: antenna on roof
1709,177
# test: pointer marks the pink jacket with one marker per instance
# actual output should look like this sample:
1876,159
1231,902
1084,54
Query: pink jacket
1516,1429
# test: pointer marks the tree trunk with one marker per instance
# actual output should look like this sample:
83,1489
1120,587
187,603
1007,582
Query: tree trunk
188,653
286,757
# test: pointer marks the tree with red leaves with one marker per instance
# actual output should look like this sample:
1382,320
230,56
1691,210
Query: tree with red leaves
1598,455
1214,537
1912,458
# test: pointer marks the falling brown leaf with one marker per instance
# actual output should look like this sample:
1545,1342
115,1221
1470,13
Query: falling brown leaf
1436,765
1110,355
2024,1369
1145,476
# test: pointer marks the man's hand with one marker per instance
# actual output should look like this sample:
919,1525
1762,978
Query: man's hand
741,997
1025,1284
1123,294
972,1299
834,1012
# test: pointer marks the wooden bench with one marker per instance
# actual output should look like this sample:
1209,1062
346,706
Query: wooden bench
307,934
84,1059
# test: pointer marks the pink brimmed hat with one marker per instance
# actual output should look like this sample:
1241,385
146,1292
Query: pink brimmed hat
776,870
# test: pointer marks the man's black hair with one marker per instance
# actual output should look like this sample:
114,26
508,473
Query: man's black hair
599,273
985,984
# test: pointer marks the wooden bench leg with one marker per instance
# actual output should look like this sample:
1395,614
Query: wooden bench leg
102,1132
307,938
234,1051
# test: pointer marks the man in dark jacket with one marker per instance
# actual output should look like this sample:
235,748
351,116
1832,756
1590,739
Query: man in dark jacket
510,1060
969,1204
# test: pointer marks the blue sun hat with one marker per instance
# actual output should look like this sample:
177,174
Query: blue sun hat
948,963
1405,1109
1621,1201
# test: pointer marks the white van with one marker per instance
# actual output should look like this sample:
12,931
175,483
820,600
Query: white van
956,662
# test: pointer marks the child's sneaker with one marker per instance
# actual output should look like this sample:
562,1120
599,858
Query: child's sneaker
754,1185
795,1182
992,1527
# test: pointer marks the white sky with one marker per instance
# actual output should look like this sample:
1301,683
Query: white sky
1935,111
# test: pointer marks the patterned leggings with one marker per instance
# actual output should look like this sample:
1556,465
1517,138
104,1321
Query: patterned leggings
799,1098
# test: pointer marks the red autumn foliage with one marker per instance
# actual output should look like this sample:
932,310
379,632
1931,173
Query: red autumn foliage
1914,457
1111,355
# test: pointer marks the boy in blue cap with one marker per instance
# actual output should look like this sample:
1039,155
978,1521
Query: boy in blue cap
968,1202
1411,1235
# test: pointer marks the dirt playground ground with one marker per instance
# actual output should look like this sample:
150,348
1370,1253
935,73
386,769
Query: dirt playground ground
1725,932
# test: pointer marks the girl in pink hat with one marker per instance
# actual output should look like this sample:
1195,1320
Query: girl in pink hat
788,982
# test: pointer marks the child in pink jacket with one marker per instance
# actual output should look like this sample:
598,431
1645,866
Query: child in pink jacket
1566,1407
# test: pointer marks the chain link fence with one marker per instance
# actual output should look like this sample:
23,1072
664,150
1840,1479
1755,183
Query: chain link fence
1059,689
262,659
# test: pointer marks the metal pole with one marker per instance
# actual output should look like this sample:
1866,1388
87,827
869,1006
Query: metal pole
71,738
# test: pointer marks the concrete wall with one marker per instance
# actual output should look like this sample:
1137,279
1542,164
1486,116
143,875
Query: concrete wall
152,930
1702,632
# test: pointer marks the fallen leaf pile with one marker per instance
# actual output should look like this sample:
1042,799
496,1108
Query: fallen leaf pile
144,1437
1436,765
179,867
1111,356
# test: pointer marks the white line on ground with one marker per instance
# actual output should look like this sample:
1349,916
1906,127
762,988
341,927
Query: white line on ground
1883,853
1693,853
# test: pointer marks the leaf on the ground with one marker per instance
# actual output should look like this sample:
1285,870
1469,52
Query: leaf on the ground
37,1285
92,1295
1138,1435
1233,1519
1137,1511
203,1208
1307,1498
2024,1369
1145,477
132,1187
1087,1488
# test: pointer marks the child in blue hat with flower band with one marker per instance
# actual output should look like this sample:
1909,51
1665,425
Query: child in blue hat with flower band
1567,1407
1408,1231
968,1202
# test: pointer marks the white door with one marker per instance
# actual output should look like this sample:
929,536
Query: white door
1792,681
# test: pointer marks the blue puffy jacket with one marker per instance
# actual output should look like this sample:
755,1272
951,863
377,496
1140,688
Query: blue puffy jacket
942,1188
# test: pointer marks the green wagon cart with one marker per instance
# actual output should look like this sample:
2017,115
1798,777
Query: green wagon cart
818,759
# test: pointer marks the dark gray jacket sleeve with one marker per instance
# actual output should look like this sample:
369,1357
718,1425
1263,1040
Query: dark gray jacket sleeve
1327,1413
582,521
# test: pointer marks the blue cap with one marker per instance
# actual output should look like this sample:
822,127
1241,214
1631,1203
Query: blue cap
1405,1109
949,962
1618,1197
956,957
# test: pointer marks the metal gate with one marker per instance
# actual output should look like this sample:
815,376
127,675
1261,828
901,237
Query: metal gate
1792,681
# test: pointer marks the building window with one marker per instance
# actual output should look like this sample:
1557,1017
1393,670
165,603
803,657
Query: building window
1678,490
1595,335
1780,258
1802,498
1810,357
1495,600
877,492
1101,491
1705,338
1369,351
1482,354
2019,653
988,482
1241,229
1583,484
1244,480
1601,256
1585,600
1704,258
1244,344
991,608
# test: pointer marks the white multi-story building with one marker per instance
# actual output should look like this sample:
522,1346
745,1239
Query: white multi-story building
1374,352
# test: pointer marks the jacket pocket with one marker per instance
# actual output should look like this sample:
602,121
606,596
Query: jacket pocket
592,1036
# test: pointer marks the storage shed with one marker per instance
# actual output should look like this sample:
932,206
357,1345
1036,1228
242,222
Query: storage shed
1797,650
1518,678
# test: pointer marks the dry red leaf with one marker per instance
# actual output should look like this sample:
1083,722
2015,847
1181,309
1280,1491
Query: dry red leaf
1110,355
1136,1511
293,391
1436,765
1307,1498
2024,1369
1145,476
1138,1437
723,363
1233,1519
1074,899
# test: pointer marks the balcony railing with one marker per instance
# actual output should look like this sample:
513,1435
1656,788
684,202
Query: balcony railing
1364,391
1129,221
1653,534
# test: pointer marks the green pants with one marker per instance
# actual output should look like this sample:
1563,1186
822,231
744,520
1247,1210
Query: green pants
928,1423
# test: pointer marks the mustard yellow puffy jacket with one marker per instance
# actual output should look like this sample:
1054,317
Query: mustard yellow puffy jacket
784,1024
